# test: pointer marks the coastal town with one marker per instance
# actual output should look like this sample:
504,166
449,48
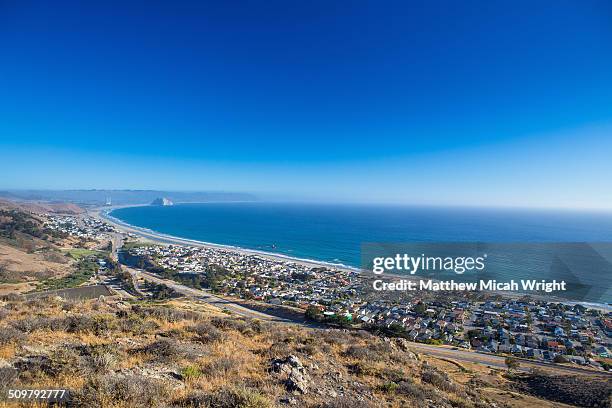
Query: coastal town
526,327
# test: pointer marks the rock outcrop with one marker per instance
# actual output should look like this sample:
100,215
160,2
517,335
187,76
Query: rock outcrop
297,377
163,201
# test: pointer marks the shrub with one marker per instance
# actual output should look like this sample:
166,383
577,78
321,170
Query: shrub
32,324
12,297
438,380
362,368
358,352
137,325
98,324
7,377
389,387
279,350
414,391
100,358
374,352
191,372
10,335
336,337
221,366
34,366
66,360
167,314
207,333
165,350
132,391
346,402
69,305
238,325
230,397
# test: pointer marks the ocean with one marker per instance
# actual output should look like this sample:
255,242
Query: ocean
335,233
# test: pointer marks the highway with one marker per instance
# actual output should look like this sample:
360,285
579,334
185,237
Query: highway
206,296
446,352
494,361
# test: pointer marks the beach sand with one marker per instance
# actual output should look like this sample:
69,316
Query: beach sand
163,239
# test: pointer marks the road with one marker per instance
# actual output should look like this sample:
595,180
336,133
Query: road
497,361
431,350
206,296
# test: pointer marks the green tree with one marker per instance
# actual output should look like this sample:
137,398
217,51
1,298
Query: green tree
512,363
313,313
420,308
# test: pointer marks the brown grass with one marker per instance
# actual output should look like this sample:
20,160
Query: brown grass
189,353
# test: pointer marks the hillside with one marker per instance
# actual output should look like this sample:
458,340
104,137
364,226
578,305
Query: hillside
110,353
32,255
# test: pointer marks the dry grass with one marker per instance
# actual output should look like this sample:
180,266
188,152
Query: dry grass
187,354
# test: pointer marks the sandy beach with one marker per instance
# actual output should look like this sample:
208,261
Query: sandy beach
164,239
147,235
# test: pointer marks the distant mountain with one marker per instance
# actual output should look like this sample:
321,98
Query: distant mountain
124,197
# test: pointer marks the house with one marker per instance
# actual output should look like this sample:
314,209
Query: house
534,353
602,351
516,349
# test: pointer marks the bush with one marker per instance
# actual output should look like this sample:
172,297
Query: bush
336,337
136,325
100,358
12,297
7,377
414,391
165,350
221,366
99,324
359,352
362,368
373,352
388,388
438,380
238,325
207,333
231,397
191,372
132,391
10,335
166,314
33,324
346,402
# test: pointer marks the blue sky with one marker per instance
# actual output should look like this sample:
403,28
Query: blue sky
467,103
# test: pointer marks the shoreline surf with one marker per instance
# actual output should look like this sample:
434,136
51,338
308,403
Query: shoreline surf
157,236
169,239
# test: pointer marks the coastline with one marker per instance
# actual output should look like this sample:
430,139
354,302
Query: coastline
166,239
158,237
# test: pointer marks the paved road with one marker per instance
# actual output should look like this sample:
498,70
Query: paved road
435,351
207,297
497,361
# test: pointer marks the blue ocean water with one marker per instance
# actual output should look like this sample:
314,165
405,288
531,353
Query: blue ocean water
335,233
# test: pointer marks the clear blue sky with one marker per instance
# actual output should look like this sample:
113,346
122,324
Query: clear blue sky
488,102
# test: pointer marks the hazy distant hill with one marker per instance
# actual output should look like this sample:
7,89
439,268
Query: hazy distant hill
122,197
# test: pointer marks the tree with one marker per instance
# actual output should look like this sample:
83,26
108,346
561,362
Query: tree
420,308
313,313
512,363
